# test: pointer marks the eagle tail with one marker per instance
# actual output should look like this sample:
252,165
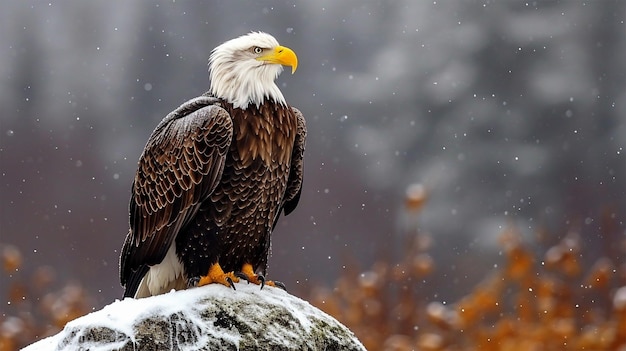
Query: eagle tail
134,282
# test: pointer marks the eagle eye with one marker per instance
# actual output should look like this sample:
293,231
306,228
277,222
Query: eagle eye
257,50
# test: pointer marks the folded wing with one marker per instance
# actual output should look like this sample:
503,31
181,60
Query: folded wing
179,168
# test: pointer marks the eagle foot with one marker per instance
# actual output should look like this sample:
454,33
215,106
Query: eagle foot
277,284
247,274
217,275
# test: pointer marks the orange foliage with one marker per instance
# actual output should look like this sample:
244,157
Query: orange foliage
39,311
534,302
526,305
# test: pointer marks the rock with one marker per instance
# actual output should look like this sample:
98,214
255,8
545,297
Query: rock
212,317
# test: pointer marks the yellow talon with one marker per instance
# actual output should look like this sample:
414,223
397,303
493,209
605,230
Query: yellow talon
247,273
217,275
271,283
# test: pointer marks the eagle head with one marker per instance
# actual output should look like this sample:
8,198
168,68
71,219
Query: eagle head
243,70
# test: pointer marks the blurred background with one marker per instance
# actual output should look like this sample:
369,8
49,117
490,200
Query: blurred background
499,114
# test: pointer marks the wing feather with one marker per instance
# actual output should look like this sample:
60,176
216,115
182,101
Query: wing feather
296,171
180,167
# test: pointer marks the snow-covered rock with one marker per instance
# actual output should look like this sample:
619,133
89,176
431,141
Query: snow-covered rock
211,317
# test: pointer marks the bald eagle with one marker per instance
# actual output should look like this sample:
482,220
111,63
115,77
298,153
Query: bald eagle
215,175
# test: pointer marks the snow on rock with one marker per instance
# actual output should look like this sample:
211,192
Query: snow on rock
211,317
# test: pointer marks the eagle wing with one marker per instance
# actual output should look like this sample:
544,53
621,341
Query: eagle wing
296,171
180,167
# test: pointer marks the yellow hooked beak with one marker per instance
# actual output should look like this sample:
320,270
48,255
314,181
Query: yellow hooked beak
282,55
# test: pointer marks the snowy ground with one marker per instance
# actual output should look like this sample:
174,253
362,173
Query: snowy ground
271,312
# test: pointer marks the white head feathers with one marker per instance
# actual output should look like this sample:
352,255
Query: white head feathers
242,70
